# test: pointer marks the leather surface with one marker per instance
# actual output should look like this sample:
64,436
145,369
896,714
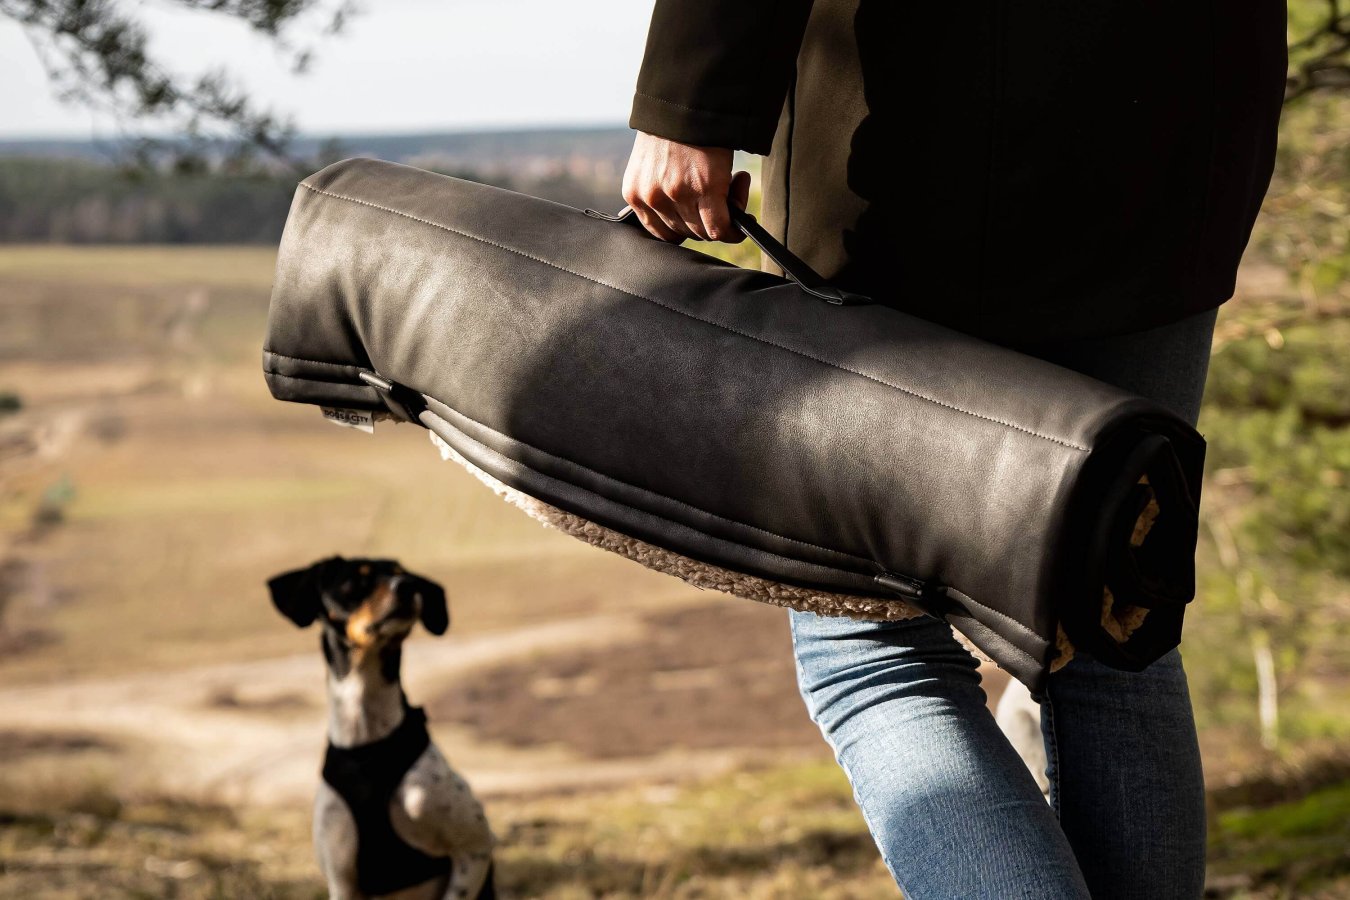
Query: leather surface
720,412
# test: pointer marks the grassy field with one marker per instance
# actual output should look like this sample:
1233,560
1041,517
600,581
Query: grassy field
787,831
179,485
149,485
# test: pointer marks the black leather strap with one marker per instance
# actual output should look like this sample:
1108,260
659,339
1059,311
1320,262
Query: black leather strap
807,278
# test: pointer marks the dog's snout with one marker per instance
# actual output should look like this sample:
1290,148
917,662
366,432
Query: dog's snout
392,605
394,600
404,591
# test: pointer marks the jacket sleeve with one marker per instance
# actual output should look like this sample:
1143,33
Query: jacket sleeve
716,72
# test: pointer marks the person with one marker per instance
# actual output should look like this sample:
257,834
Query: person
1077,180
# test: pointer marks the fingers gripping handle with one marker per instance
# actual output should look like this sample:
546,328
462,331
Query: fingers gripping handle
807,278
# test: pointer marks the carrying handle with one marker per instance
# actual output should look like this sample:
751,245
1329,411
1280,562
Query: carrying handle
807,278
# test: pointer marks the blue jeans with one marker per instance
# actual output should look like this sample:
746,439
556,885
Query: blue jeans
954,811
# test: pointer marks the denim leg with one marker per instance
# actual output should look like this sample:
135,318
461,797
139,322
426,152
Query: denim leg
952,808
1124,762
1125,777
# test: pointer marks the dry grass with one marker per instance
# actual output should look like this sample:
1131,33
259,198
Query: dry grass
191,485
104,267
139,376
785,831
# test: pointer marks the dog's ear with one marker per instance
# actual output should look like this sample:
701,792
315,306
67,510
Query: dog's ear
298,595
432,608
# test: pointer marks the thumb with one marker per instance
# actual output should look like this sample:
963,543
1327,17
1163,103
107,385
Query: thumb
740,189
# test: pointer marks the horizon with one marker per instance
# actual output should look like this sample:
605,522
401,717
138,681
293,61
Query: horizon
467,130
402,67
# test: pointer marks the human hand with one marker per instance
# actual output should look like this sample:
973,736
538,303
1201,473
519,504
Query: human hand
680,191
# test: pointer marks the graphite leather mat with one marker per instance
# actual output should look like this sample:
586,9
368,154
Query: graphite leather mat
735,429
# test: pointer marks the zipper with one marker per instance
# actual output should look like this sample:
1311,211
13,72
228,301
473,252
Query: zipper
904,585
405,403
929,597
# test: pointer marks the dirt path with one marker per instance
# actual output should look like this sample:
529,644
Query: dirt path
179,502
253,732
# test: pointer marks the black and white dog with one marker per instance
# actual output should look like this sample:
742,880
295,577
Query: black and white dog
391,819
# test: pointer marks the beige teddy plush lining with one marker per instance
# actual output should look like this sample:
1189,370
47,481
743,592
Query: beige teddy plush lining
1120,623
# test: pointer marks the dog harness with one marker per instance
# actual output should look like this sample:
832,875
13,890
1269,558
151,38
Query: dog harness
366,778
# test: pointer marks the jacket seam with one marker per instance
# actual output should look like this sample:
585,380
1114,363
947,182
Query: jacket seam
989,208
1206,196
791,102
727,328
695,109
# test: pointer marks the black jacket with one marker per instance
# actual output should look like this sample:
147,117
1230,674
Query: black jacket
1021,171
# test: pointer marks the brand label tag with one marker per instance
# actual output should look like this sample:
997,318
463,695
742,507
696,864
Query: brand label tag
360,419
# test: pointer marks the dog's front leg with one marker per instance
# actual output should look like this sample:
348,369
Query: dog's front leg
435,811
471,878
335,844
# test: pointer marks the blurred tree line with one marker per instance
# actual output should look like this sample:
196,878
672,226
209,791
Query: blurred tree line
1269,652
1272,658
80,202
69,201
96,53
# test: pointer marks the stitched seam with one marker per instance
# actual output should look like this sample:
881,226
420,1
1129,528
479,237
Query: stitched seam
688,315
312,362
1004,616
660,516
1052,749
965,598
344,382
681,105
813,713
787,162
689,506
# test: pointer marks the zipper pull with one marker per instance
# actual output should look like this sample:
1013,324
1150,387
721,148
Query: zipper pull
404,403
904,585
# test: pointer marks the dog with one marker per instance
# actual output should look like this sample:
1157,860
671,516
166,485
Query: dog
391,818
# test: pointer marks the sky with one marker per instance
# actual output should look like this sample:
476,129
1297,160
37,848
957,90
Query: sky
400,65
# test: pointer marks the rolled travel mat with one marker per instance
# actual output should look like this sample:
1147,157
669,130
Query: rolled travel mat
774,438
